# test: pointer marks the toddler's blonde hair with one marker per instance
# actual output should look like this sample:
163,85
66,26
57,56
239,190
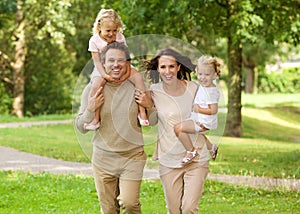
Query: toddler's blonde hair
107,14
209,60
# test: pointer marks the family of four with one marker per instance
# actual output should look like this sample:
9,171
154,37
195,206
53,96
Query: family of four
116,104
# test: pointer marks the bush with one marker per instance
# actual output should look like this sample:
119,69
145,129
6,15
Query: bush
49,84
5,100
285,82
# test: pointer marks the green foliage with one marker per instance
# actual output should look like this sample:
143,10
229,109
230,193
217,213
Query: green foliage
284,82
5,100
49,59
49,83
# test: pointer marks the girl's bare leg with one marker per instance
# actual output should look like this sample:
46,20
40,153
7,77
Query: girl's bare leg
138,81
182,130
212,148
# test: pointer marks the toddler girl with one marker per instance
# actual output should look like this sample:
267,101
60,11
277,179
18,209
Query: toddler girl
108,28
204,115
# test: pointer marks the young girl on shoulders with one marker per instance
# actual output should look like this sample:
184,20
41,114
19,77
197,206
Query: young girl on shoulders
108,28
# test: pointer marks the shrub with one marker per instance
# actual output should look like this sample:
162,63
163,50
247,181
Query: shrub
5,100
285,82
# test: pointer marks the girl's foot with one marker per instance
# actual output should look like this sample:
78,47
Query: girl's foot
213,151
190,155
142,121
91,126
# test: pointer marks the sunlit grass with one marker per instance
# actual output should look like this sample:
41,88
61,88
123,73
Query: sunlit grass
45,193
9,118
268,100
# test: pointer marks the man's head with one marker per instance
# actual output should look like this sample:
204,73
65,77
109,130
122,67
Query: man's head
115,58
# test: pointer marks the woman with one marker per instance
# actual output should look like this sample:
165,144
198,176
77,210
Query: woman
173,99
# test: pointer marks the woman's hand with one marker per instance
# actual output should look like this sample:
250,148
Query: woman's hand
95,101
143,98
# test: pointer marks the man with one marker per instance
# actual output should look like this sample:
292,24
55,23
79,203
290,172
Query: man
118,149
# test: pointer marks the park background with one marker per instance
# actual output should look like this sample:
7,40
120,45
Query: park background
43,50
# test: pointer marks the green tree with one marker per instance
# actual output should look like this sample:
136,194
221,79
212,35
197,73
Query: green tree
25,54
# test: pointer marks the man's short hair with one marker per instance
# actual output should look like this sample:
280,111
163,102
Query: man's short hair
115,45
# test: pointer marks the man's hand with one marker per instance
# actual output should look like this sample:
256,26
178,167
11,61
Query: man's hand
95,101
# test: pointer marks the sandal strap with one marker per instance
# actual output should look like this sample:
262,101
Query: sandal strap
194,152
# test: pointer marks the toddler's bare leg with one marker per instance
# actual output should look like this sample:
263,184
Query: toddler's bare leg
137,79
208,143
182,130
212,148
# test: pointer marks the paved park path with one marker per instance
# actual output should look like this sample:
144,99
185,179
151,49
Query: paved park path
14,160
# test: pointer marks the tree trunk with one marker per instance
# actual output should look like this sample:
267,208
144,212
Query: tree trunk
234,117
19,61
249,84
255,80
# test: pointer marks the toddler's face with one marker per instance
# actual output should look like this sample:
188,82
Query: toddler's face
108,31
206,75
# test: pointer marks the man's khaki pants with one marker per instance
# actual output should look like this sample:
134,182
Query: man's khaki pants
120,190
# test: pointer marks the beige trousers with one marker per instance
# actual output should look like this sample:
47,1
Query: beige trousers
183,187
119,191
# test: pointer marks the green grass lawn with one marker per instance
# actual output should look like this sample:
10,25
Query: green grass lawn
9,118
46,193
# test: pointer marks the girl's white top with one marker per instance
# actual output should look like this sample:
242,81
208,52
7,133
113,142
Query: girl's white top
204,97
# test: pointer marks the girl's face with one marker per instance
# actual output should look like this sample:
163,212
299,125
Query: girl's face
206,75
108,31
168,68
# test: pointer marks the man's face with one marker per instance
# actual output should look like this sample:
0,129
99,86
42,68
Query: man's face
115,63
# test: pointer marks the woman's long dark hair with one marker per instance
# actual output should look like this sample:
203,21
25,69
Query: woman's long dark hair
186,65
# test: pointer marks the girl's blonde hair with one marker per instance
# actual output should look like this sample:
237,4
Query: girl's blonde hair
107,14
209,60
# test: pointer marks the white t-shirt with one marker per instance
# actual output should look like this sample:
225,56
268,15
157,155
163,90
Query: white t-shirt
204,97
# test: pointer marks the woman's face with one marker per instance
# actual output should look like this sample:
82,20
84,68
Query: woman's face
108,31
168,68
